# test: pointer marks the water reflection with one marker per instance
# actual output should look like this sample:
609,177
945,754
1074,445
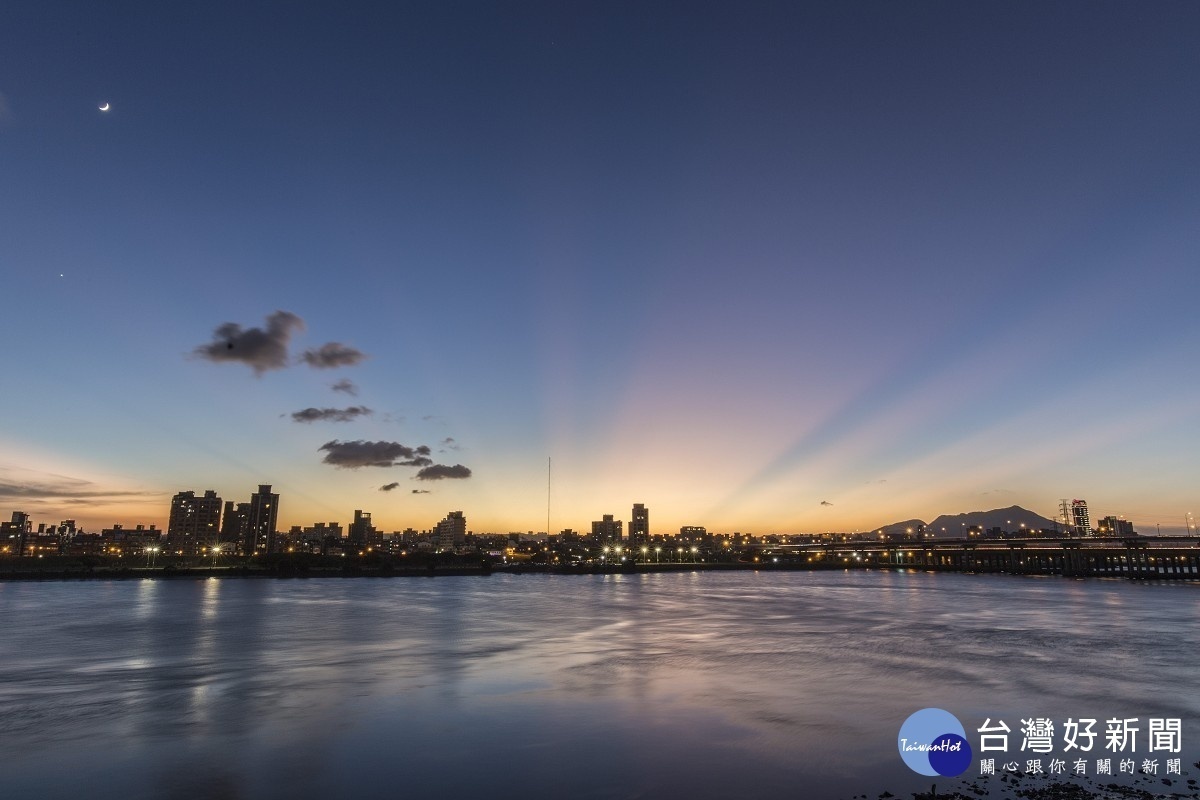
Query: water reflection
594,686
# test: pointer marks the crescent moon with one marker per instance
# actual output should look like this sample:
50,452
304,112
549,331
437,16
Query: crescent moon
105,107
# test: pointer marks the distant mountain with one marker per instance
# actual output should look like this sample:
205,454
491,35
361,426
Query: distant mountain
1007,519
953,526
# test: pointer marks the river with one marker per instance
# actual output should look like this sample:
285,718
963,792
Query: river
698,685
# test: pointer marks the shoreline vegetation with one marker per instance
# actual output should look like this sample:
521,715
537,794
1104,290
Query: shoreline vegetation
302,565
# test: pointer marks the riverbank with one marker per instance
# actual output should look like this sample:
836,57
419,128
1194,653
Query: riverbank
314,566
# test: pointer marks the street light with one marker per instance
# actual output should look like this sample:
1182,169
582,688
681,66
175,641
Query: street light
657,553
216,551
645,552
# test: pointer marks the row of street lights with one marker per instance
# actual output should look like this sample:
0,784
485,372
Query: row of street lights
679,553
153,551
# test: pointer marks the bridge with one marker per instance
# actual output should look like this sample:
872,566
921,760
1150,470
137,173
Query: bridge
1139,557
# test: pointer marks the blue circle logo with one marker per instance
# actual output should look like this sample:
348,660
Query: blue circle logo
933,742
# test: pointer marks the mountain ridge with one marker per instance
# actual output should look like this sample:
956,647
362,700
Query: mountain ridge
954,526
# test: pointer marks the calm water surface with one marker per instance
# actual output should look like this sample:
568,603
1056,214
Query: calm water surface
704,685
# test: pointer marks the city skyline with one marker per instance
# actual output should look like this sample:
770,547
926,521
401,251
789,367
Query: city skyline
196,517
763,268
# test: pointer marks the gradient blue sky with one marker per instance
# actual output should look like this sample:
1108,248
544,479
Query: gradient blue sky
730,260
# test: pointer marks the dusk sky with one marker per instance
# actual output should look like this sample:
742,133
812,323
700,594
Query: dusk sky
762,267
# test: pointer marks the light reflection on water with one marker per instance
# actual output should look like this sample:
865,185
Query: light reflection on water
621,686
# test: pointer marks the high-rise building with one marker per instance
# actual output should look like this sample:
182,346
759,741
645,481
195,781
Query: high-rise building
16,532
234,523
1081,523
361,531
607,529
639,526
451,532
195,522
260,526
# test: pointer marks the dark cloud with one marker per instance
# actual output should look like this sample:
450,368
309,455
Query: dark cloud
331,414
423,450
826,503
439,471
422,491
387,487
352,455
332,354
449,443
346,385
259,349
419,461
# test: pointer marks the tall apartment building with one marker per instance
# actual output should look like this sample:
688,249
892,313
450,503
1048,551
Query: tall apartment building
639,525
1080,520
195,522
607,529
16,533
235,521
362,532
451,532
261,525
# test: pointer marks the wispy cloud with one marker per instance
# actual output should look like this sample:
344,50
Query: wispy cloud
387,487
22,485
421,491
331,414
261,349
82,490
346,385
